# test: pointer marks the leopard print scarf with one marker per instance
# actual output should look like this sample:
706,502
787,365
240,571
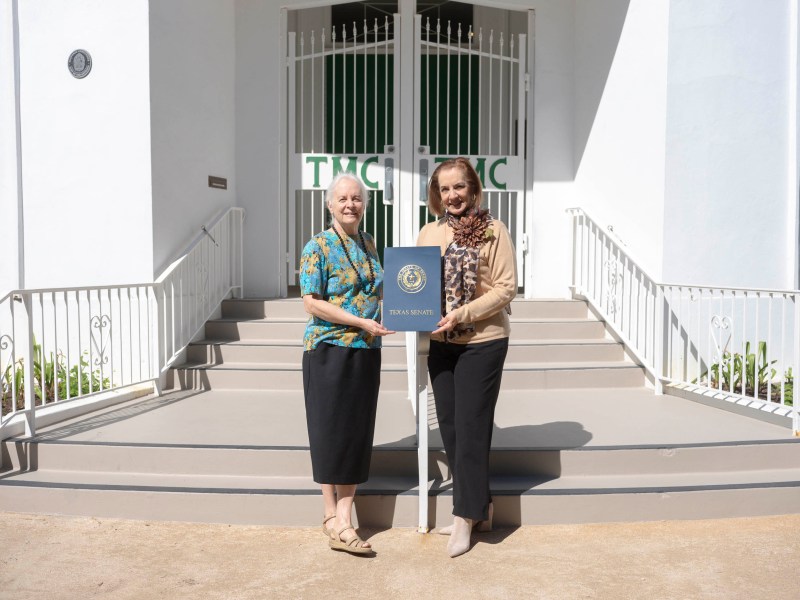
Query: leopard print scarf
461,264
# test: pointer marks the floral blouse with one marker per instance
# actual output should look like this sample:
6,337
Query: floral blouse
326,271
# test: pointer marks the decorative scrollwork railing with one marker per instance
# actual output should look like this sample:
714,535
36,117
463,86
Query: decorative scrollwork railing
743,342
67,343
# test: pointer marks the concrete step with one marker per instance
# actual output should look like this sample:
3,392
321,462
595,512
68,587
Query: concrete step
552,376
693,462
257,308
217,352
387,502
262,329
255,376
522,376
548,309
563,456
253,308
556,329
286,329
271,351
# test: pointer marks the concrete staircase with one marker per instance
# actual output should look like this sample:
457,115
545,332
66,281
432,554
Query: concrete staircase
256,345
578,438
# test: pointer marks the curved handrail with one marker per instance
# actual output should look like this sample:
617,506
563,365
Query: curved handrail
604,231
611,235
196,241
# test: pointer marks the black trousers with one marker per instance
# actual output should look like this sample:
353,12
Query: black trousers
466,382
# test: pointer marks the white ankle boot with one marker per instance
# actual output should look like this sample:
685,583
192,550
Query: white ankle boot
459,541
482,526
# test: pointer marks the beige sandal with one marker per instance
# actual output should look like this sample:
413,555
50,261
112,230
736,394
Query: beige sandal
355,545
328,531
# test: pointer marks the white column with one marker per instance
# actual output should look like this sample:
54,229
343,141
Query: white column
406,205
405,136
793,167
530,66
12,274
286,247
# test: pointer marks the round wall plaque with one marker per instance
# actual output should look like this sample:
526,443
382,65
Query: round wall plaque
80,63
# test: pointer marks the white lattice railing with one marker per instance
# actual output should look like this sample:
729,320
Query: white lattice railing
80,342
744,343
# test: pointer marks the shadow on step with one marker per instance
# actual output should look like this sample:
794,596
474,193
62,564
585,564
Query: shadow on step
522,458
188,379
557,435
26,449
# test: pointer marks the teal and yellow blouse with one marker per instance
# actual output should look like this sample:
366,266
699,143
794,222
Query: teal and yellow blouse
325,270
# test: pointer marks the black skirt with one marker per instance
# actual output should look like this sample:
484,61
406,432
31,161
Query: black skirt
341,391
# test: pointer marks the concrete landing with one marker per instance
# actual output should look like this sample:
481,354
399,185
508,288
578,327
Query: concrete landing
564,456
554,419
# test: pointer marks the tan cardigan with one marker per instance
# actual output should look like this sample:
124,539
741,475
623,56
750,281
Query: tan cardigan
497,282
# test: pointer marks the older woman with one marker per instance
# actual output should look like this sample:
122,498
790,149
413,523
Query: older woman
469,347
341,282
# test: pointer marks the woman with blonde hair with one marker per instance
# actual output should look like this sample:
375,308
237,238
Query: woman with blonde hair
468,350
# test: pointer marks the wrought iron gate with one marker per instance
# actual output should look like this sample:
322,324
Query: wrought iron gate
359,101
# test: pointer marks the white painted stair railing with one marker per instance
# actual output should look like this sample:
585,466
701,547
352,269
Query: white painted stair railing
738,342
80,345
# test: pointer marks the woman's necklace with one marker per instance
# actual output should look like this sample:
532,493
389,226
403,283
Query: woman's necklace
370,285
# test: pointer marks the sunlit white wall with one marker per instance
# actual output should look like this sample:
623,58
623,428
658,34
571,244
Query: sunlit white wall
86,143
192,72
727,198
620,120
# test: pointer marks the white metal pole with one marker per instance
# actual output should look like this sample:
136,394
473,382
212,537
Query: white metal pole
796,367
659,325
406,205
423,344
27,361
412,339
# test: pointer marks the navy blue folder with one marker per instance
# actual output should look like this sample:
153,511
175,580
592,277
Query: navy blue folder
412,288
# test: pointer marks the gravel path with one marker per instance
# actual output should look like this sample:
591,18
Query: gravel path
54,557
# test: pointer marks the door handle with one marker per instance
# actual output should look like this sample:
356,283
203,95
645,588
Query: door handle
388,181
423,181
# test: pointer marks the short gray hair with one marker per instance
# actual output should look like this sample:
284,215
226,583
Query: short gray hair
365,195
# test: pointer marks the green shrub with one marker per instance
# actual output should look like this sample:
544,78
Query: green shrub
740,373
82,380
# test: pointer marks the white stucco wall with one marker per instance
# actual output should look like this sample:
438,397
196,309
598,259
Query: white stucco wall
192,73
553,143
620,120
9,238
660,117
259,85
727,194
86,143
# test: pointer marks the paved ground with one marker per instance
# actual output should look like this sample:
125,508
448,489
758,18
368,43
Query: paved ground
75,558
